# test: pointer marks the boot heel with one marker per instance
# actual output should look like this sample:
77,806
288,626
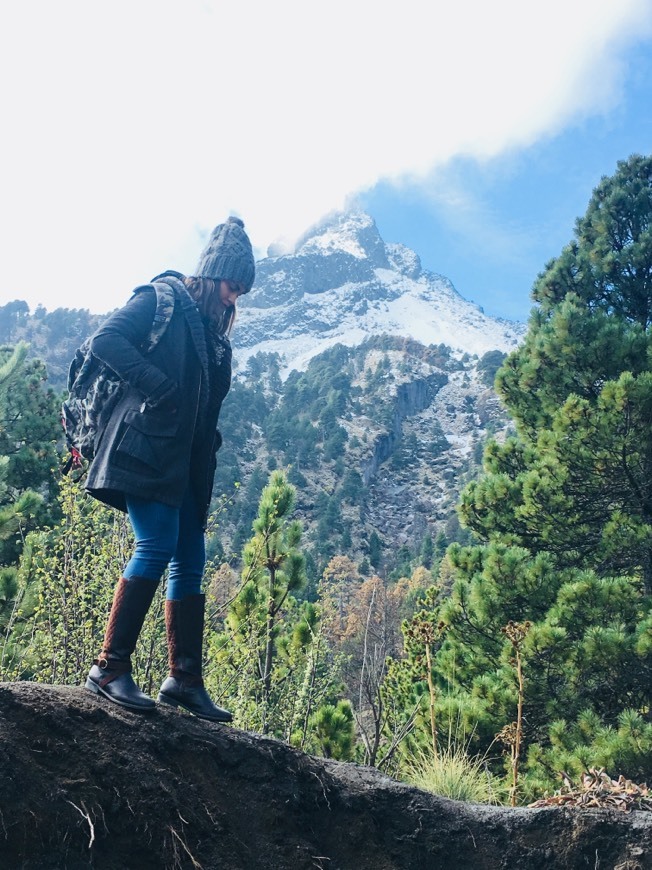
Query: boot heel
91,686
165,699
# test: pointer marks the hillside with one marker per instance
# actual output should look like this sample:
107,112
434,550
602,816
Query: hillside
379,439
53,336
87,784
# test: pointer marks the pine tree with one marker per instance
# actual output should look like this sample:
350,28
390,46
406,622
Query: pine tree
12,361
375,549
427,551
333,731
273,570
577,478
29,422
269,660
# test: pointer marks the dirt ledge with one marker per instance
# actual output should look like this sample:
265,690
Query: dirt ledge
86,784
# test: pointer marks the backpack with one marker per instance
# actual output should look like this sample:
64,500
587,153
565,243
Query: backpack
94,389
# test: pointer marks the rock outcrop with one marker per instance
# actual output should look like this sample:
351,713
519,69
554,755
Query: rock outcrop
411,398
86,784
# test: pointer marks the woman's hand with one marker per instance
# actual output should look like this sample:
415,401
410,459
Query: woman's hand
164,398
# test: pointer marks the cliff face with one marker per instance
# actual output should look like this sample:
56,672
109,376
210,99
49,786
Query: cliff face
86,784
411,398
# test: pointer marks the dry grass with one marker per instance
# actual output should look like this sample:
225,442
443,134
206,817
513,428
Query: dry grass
454,774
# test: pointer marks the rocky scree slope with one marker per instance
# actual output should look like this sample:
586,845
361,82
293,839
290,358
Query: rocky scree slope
87,784
412,421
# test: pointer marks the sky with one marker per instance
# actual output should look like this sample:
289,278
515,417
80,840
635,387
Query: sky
474,133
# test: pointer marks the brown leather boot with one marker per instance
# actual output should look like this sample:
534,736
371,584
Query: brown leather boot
111,672
184,622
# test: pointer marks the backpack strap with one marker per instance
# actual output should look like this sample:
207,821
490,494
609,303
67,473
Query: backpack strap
162,315
166,290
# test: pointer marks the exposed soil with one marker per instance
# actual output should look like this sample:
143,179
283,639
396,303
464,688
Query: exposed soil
84,783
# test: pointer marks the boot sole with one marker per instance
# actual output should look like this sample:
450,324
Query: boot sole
172,702
98,690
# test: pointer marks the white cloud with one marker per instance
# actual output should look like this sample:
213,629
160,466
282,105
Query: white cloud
132,127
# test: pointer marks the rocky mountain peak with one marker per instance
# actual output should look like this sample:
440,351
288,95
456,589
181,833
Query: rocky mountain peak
343,284
404,260
351,233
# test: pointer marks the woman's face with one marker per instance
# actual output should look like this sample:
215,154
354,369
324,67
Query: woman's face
226,295
229,292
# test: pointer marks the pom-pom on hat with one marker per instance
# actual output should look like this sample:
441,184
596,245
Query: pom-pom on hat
228,255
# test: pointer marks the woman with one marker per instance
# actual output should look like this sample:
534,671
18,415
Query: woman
155,459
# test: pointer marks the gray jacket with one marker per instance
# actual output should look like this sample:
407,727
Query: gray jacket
162,435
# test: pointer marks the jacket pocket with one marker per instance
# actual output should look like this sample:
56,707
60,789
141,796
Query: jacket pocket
147,437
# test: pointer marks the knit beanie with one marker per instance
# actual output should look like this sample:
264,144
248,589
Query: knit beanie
228,255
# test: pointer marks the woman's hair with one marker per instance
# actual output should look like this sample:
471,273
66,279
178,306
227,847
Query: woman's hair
202,290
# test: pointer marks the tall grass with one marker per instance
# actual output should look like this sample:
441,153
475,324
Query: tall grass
454,774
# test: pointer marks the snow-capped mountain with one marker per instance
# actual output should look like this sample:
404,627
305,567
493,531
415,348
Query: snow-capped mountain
342,284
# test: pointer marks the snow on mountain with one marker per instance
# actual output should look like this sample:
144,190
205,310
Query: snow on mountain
342,284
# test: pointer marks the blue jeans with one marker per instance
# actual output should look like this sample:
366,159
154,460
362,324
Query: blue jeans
167,536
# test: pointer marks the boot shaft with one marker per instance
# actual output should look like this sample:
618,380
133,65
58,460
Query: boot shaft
184,624
131,601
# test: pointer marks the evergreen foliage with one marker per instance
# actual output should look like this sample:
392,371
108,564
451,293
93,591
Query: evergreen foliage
332,731
577,478
67,579
375,550
489,364
427,551
563,511
52,336
272,662
438,441
28,429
